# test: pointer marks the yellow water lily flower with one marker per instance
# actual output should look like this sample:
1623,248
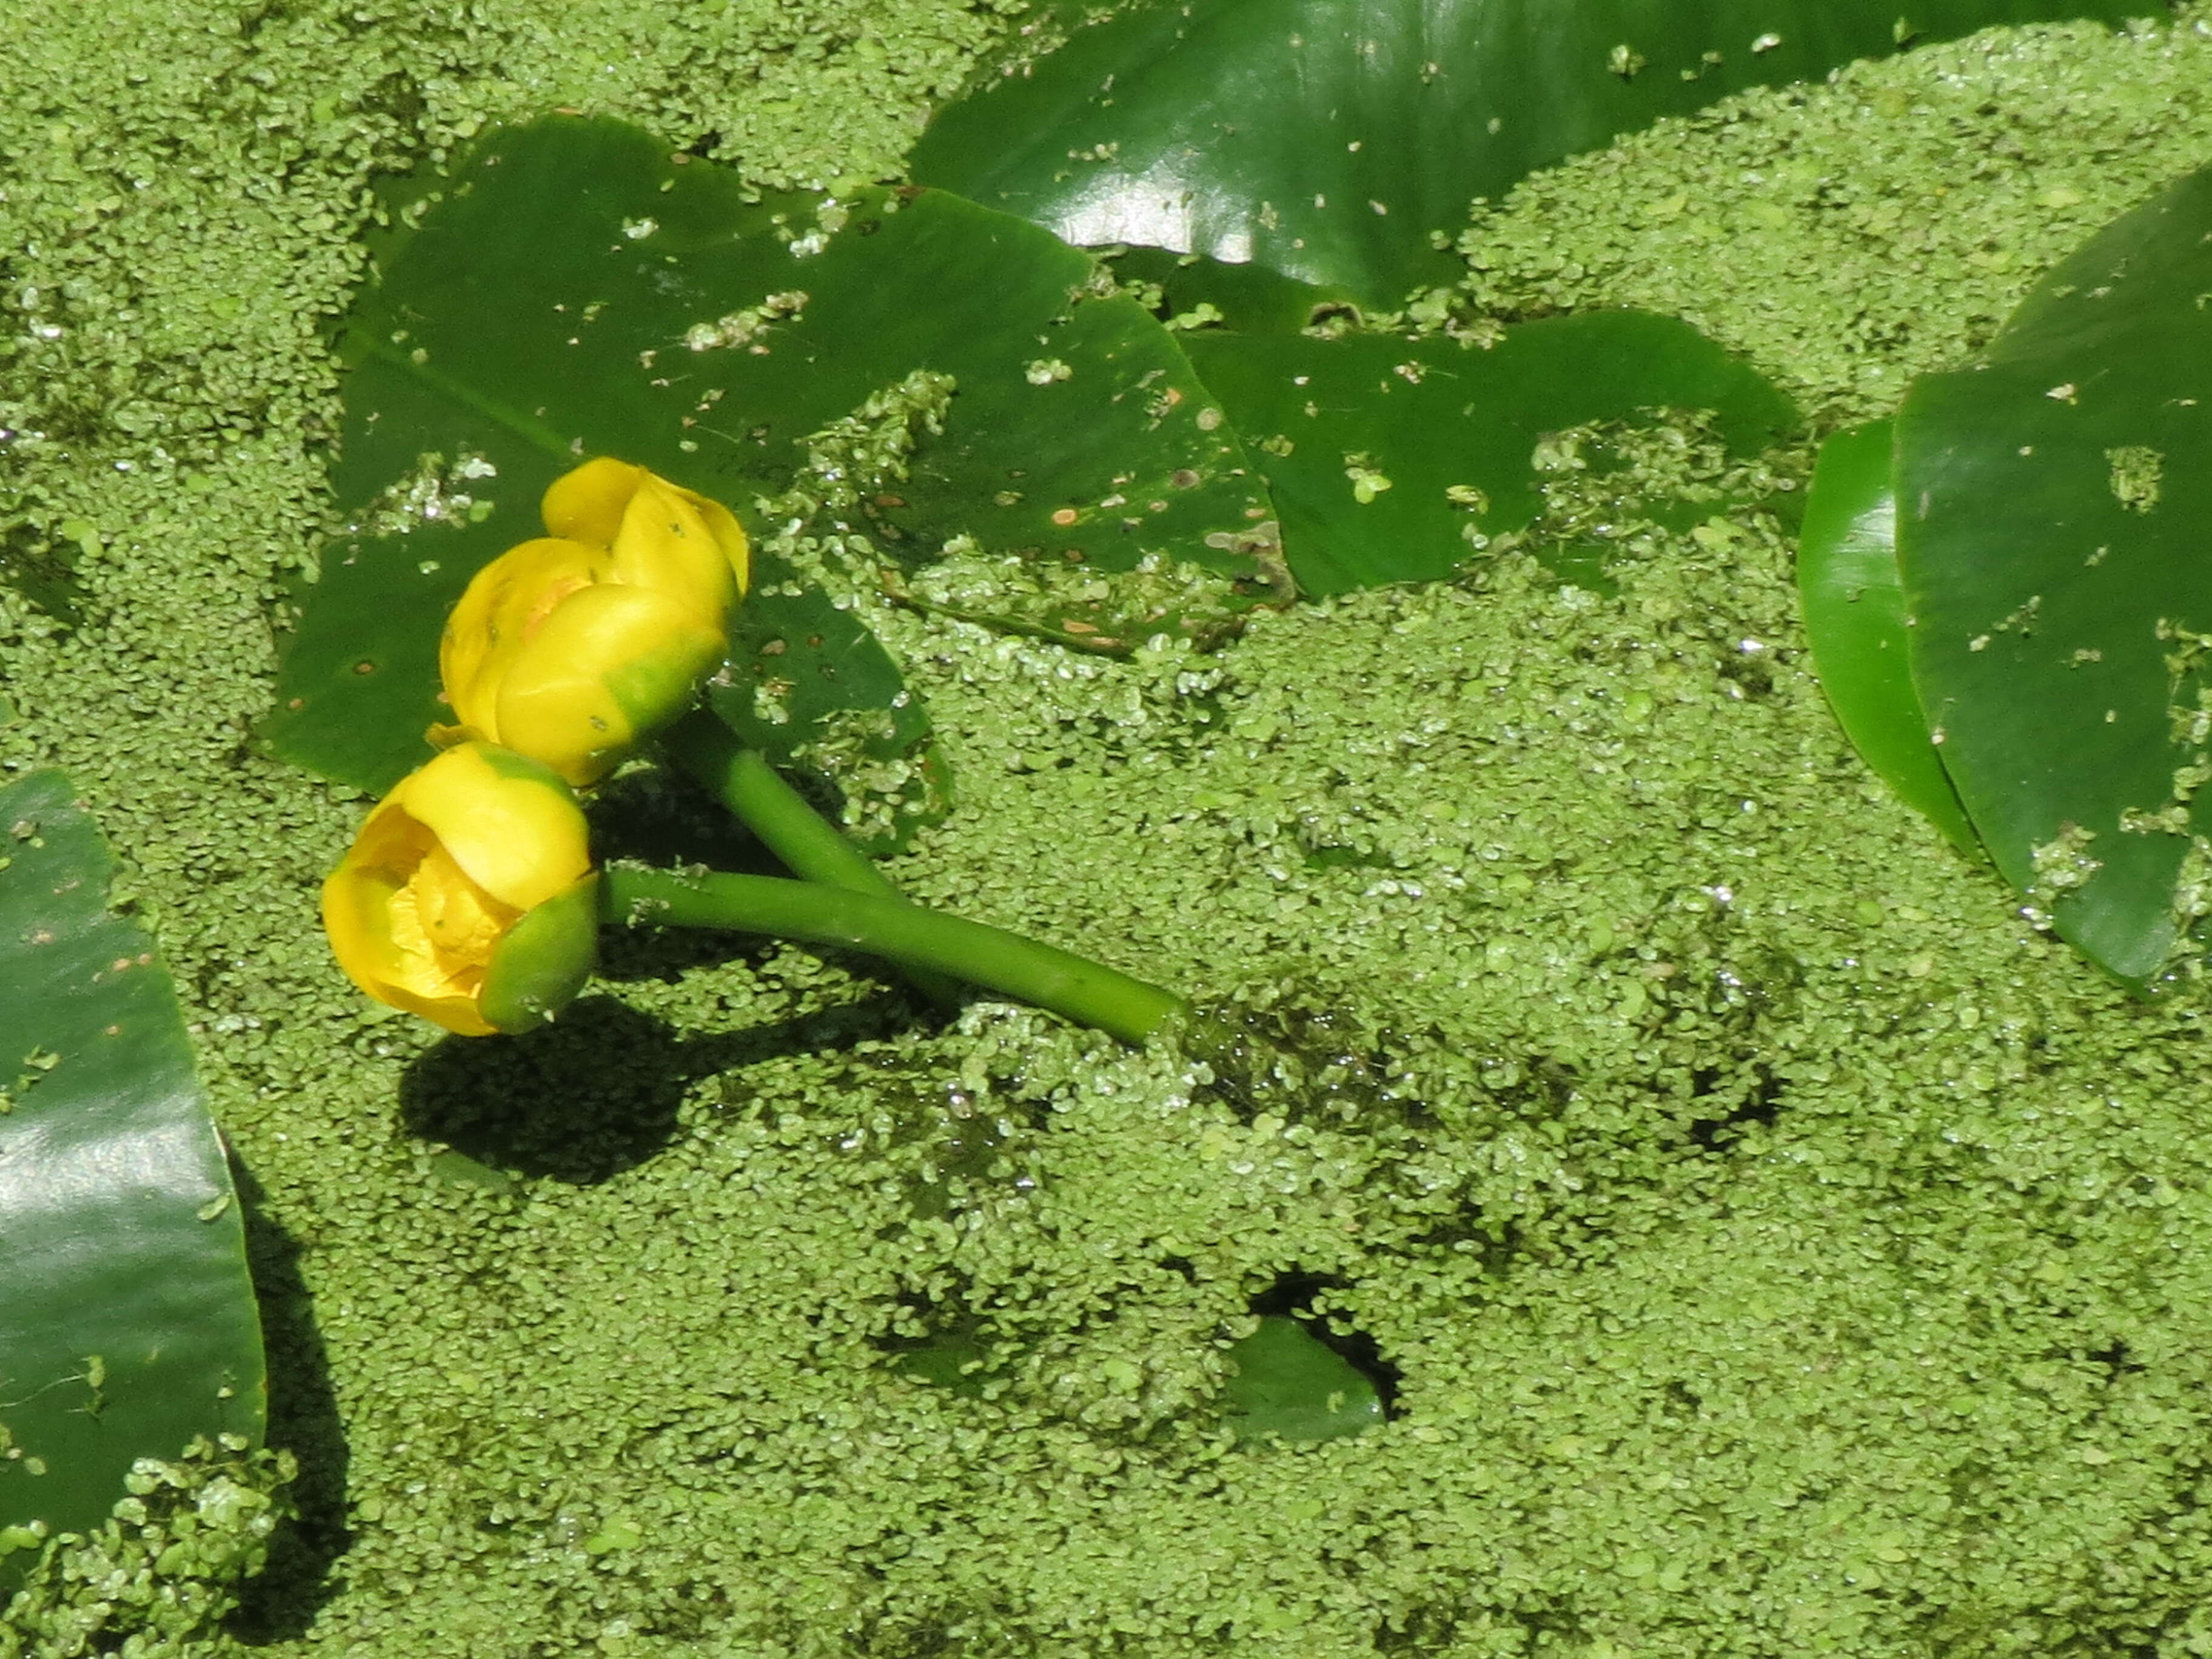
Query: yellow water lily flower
650,525
572,647
469,896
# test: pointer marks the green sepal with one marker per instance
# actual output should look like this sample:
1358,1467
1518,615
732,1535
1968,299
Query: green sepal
654,692
545,960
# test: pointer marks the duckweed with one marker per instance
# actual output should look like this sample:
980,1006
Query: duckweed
1847,237
1783,1247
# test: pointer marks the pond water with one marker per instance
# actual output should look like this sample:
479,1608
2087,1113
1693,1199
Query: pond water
1772,1244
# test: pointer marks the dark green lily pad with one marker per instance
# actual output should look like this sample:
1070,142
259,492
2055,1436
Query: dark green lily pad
1197,291
807,684
2052,504
574,289
1853,600
1328,138
1290,1385
1392,459
127,1322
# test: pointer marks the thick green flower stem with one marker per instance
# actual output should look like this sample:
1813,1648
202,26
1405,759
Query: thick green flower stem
901,933
809,847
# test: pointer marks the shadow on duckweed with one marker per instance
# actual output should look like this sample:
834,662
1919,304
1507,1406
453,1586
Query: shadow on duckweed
595,1094
1299,1055
599,1090
659,814
279,1604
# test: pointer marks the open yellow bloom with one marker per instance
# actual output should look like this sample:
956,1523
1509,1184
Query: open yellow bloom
469,896
572,647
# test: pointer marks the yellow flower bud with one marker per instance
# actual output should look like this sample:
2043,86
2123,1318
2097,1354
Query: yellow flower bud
641,516
469,896
573,647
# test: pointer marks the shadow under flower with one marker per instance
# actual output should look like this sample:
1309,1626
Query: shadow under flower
601,1090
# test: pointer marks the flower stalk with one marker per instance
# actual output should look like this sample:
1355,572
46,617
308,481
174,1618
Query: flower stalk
811,849
905,934
470,895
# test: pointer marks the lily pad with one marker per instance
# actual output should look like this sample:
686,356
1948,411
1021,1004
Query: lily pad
1328,138
1854,601
1394,459
2052,503
806,683
575,288
127,1322
1195,292
1290,1385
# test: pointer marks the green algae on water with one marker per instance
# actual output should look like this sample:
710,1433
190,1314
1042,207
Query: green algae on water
1783,1246
154,1579
1847,237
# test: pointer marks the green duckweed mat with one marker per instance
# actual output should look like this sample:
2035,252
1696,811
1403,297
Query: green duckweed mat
1778,1245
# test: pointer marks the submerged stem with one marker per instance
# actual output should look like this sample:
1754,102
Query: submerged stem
1085,991
809,846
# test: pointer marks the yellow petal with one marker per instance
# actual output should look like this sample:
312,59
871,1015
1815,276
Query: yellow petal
372,916
667,543
729,536
510,823
585,504
588,503
611,665
458,1014
458,923
357,896
501,609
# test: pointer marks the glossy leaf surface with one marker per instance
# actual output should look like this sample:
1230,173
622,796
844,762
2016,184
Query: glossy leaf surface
127,1322
1854,602
1250,299
1366,438
1291,1384
1328,138
574,290
2053,501
804,673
